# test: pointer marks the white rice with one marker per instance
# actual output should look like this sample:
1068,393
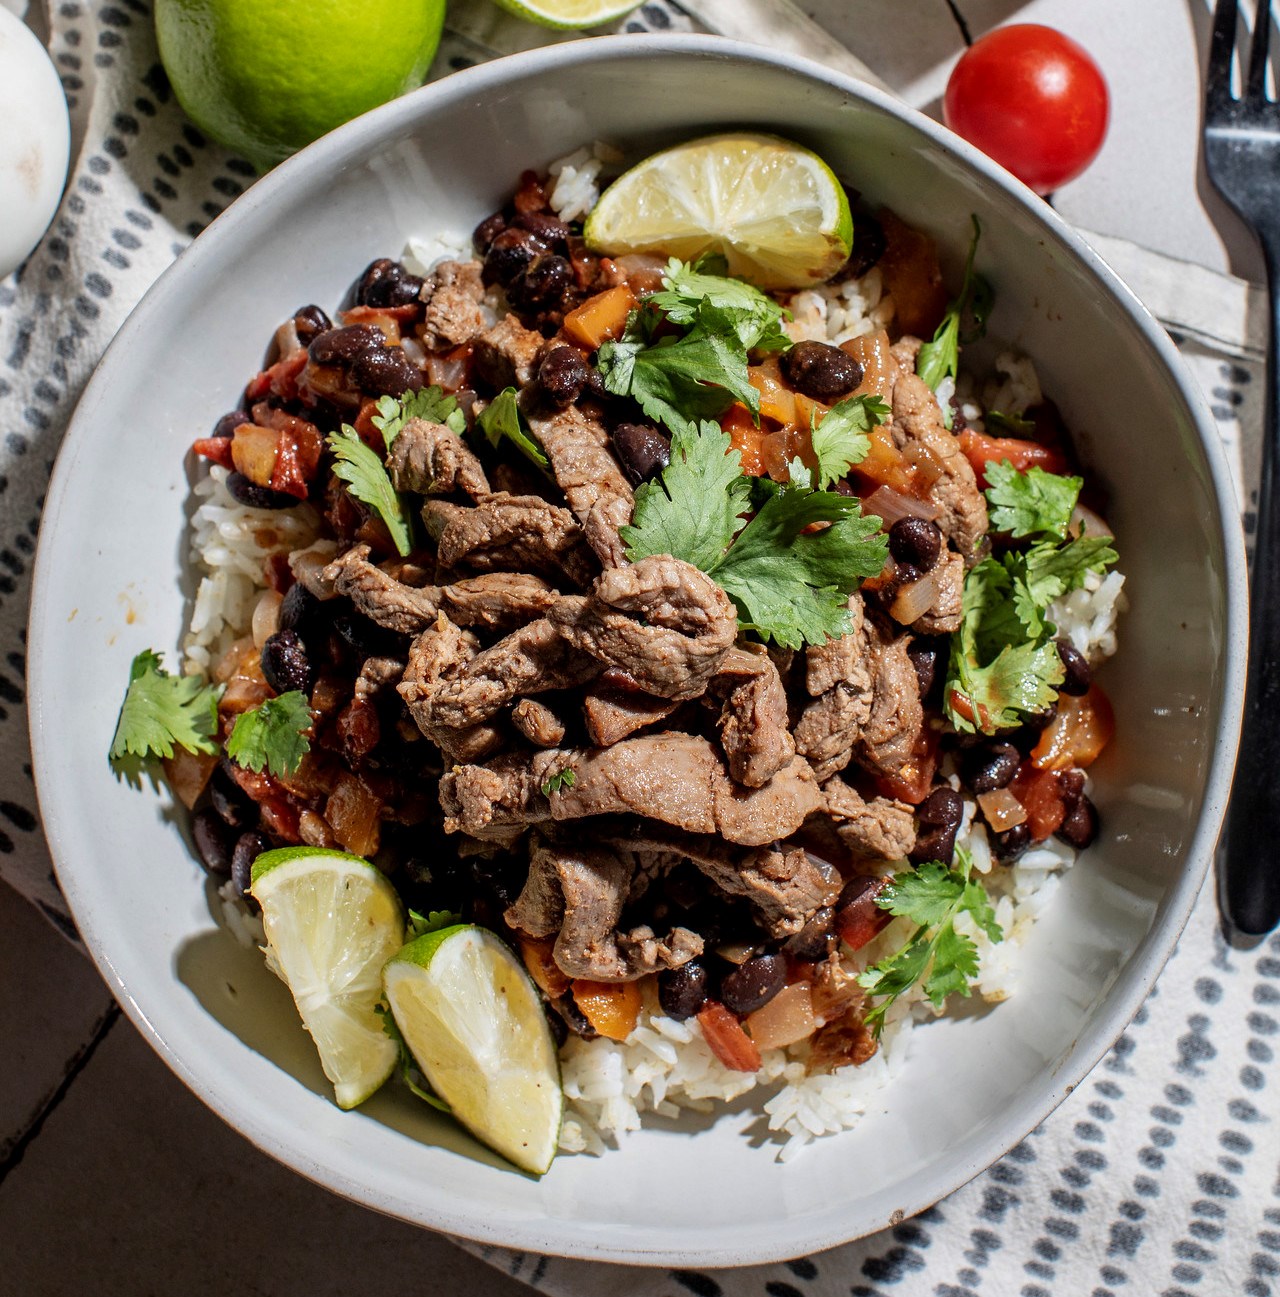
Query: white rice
577,180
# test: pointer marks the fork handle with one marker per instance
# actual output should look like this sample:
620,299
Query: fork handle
1251,860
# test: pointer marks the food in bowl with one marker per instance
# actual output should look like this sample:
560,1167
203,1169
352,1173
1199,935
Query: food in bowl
738,673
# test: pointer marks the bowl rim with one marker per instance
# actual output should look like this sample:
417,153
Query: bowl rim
723,1247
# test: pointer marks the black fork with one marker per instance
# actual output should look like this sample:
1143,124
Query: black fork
1242,155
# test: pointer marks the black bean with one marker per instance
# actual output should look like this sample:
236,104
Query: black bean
367,638
642,451
916,542
227,425
257,497
484,234
543,282
925,653
284,663
386,371
989,766
868,245
754,983
1009,845
344,345
509,253
550,229
387,283
249,846
939,814
1079,826
683,991
233,804
574,1018
814,941
559,1029
820,370
563,374
310,321
298,609
1039,721
210,836
1078,675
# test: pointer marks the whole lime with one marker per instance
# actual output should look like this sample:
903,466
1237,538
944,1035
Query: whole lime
265,79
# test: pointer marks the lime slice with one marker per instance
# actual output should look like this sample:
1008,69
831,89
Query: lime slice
568,13
332,921
474,1024
774,210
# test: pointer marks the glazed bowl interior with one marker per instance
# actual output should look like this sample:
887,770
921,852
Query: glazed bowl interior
112,579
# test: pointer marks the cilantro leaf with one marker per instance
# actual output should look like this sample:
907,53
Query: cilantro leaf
1020,680
791,586
366,479
840,438
692,511
557,783
1030,503
1012,425
409,1072
1053,570
432,921
678,381
161,712
939,358
501,418
947,961
428,403
273,734
757,318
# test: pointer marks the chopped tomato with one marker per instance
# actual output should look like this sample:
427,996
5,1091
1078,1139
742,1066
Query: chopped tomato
912,781
964,706
1040,791
216,449
912,276
387,318
858,918
280,379
299,449
980,450
884,465
610,1007
365,430
1077,734
729,1043
449,372
746,438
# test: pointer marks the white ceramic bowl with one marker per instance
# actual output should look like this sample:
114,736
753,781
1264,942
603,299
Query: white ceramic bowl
110,580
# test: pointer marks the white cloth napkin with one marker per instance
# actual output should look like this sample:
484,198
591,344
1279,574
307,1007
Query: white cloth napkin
1159,1175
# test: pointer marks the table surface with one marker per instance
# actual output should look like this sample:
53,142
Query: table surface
109,1167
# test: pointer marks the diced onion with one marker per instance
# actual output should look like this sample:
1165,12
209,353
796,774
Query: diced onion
1093,524
889,505
1002,810
414,351
915,599
928,464
447,372
287,338
788,1017
266,617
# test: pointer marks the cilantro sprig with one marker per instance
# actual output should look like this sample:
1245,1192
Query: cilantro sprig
500,420
944,960
840,438
428,403
939,358
367,479
272,735
1031,503
162,711
756,318
791,585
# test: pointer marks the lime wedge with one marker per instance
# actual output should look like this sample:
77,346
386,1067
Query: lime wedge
474,1024
568,13
774,210
332,921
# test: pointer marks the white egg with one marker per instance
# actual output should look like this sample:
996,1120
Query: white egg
35,141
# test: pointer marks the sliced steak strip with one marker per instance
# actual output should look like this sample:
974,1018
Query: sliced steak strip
663,622
599,495
538,723
917,421
510,533
453,315
531,660
614,708
945,612
437,658
589,887
893,728
753,721
495,601
433,460
505,355
881,828
839,677
375,675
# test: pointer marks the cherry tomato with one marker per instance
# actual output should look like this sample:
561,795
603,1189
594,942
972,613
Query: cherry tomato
1031,99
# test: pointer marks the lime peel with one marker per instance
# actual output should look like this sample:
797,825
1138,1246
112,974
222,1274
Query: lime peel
568,15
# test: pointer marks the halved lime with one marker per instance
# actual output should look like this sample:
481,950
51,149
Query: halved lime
568,13
474,1024
332,921
774,210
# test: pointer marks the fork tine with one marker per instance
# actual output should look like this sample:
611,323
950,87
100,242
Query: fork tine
1221,47
1256,85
